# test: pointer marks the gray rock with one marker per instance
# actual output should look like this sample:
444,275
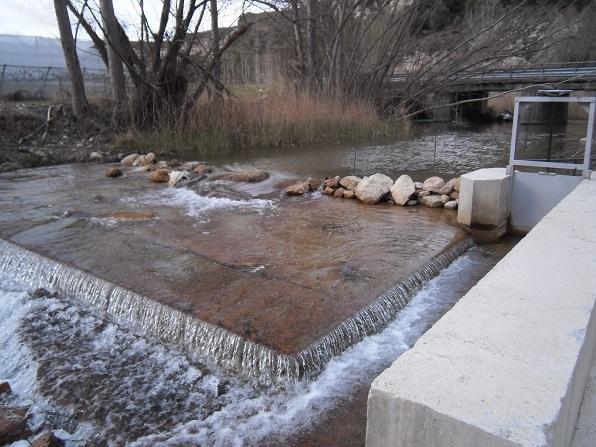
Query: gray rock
451,205
454,195
432,201
402,190
371,189
423,193
95,156
418,185
433,184
412,202
444,198
350,182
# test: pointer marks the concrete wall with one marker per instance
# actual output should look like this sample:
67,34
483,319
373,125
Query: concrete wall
507,366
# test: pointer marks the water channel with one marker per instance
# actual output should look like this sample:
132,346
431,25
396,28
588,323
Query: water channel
309,263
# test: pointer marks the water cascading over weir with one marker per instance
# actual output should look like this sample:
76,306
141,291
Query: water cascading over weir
229,350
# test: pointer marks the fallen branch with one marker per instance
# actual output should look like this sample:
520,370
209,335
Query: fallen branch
46,125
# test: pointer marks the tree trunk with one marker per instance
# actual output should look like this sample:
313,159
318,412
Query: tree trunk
79,99
114,48
216,72
312,11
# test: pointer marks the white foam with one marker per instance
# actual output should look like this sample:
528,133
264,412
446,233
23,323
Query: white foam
196,205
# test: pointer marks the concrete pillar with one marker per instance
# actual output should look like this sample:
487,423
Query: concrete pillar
442,114
484,203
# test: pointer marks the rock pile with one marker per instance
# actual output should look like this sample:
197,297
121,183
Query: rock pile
434,192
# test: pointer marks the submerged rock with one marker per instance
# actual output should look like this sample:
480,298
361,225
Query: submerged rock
160,176
412,202
250,176
371,189
132,215
402,190
297,189
433,184
47,439
451,205
432,201
13,424
5,387
129,160
113,172
201,168
350,182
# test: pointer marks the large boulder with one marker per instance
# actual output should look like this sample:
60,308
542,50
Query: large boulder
13,424
297,189
144,160
113,172
350,182
332,182
433,184
371,189
432,201
129,160
448,188
402,189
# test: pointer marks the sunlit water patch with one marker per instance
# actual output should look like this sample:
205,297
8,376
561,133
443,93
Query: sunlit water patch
97,380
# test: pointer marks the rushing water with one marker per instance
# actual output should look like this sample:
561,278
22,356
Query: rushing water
98,381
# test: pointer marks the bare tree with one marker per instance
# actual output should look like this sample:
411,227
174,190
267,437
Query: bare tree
167,75
79,99
114,50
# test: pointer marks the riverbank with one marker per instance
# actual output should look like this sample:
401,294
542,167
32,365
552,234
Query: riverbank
41,133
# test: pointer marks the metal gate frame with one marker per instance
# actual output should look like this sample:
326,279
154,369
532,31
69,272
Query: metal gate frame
538,193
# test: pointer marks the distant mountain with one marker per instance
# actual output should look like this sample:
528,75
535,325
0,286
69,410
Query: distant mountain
44,52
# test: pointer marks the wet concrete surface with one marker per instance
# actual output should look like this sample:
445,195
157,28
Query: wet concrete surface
279,271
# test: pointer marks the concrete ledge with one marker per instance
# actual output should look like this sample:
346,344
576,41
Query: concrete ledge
507,366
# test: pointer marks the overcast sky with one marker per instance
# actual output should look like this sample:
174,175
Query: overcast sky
36,17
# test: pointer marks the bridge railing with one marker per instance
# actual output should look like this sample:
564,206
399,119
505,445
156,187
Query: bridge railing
566,70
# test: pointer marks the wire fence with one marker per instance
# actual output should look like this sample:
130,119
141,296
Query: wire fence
28,82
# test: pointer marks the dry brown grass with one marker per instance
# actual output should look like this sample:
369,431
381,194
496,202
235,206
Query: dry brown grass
271,117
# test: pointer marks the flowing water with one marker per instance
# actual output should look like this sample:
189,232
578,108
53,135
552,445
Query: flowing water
307,298
98,381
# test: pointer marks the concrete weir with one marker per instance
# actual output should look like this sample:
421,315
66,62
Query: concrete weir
507,366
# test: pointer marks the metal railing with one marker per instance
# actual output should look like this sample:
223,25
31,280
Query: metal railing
566,70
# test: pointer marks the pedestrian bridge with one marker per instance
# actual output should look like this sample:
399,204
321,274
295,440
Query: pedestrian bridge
572,75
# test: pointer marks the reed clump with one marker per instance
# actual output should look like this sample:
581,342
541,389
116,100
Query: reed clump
262,118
